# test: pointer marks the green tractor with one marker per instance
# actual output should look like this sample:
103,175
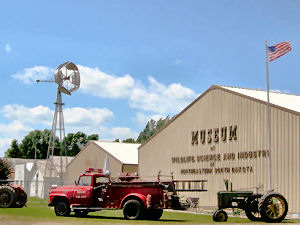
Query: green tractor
271,207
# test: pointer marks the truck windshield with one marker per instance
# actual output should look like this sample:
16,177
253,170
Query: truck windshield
84,181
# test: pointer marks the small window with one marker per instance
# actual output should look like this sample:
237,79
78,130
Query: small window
84,181
102,180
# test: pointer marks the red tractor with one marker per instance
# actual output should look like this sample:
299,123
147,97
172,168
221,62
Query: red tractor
12,195
95,191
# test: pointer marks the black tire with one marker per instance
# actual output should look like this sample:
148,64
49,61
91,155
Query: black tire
133,210
251,209
62,208
273,207
21,200
7,197
220,216
81,213
153,214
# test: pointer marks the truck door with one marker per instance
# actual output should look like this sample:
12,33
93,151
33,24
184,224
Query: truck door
101,191
83,192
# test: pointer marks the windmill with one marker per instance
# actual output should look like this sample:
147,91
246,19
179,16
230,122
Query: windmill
67,77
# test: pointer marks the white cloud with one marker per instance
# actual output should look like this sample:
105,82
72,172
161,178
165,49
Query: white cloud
25,119
30,75
7,48
123,133
164,99
39,114
86,117
74,118
157,97
15,128
4,145
154,98
100,84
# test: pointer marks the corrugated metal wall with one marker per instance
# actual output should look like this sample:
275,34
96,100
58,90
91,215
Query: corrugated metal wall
250,166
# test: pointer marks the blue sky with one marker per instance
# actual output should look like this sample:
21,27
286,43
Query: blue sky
138,59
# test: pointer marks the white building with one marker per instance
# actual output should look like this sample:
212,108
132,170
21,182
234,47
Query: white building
223,135
122,157
33,176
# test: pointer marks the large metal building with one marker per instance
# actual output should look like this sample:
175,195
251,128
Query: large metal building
222,135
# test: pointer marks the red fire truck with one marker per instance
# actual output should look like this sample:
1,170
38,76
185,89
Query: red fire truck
95,191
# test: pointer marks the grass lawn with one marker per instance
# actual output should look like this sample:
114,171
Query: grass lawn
37,212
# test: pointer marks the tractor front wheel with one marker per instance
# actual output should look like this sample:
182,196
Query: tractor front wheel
220,216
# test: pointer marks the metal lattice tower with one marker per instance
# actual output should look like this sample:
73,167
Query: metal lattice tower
67,77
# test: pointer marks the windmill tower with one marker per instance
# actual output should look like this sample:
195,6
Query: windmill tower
67,78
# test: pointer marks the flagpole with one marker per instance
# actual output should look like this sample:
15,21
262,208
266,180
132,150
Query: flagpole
268,118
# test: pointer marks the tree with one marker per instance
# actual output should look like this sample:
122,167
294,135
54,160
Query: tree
75,142
151,128
128,140
37,143
6,169
14,151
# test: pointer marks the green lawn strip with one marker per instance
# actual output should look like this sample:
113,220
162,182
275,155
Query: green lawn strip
38,210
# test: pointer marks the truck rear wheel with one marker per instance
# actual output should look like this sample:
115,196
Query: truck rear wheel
273,207
62,208
153,214
81,213
132,209
7,196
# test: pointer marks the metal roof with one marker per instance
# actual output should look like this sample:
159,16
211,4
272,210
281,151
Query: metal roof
127,153
284,100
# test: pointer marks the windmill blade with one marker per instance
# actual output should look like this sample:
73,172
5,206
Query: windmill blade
62,65
71,66
64,90
75,79
58,77
73,89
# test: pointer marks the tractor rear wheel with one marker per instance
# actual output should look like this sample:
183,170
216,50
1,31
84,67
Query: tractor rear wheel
251,209
273,207
133,210
220,216
7,196
21,200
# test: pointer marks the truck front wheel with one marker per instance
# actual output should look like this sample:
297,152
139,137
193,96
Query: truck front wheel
132,210
62,208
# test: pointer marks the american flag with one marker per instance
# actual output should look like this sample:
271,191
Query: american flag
278,50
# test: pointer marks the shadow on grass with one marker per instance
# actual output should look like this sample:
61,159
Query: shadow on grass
123,219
